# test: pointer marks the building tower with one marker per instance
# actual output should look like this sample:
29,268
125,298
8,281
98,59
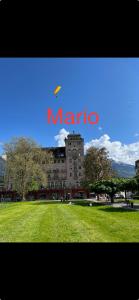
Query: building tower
74,144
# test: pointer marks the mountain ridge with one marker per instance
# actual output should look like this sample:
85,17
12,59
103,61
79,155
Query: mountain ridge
123,169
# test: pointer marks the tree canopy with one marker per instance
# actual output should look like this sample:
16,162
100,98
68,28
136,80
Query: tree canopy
110,187
97,165
114,185
25,165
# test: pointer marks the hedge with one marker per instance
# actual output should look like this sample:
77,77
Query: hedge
136,197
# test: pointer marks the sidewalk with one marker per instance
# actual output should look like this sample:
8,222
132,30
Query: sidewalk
98,201
125,206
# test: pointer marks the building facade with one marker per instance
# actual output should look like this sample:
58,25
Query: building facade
66,171
64,174
2,171
137,167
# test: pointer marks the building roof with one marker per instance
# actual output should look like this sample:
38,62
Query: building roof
58,152
74,136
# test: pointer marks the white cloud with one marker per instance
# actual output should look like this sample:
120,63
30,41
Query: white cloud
4,156
1,143
136,134
60,138
119,152
99,128
126,153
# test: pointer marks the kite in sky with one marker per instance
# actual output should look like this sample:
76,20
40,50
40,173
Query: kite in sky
57,89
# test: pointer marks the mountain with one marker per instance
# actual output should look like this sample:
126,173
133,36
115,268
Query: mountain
123,170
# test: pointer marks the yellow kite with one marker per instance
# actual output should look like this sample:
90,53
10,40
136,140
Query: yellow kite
57,89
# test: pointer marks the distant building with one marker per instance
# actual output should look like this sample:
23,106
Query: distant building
137,167
2,171
2,166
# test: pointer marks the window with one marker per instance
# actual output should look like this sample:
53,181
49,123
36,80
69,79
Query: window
63,183
70,174
62,160
60,155
79,167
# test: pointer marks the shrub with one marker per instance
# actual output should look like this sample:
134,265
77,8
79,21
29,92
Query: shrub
136,197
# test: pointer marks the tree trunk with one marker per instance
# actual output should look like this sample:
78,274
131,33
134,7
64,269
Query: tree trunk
125,195
23,196
97,197
112,198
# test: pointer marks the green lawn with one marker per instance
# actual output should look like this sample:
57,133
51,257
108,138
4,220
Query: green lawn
38,221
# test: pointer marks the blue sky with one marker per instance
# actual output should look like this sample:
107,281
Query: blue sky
109,86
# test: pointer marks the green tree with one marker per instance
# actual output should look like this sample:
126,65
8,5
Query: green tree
128,184
25,165
110,187
114,185
97,165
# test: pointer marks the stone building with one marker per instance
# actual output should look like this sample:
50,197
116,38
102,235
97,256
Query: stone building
2,171
137,167
66,171
64,174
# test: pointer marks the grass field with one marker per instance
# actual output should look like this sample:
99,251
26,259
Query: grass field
38,221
